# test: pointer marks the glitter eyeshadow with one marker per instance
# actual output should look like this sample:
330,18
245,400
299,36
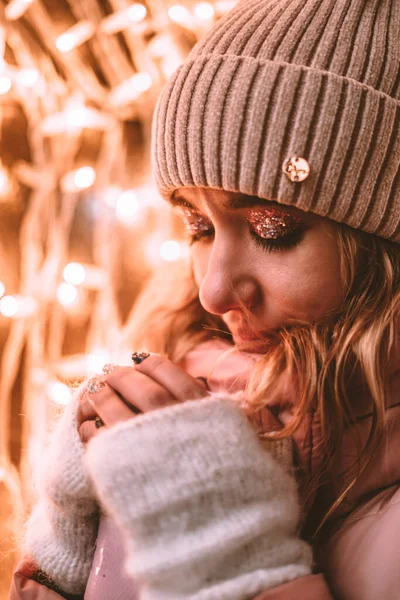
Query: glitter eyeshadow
270,224
194,222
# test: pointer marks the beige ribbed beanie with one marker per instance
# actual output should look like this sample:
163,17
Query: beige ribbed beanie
279,80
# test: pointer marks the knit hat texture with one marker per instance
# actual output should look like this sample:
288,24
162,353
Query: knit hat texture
278,79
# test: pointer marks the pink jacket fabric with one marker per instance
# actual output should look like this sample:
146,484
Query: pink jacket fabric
356,559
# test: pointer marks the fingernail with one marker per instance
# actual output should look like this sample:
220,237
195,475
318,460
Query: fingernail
108,368
95,385
138,357
203,380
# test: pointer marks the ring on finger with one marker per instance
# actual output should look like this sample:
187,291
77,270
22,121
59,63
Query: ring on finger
94,385
98,422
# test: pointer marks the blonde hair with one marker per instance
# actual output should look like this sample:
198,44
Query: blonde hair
316,358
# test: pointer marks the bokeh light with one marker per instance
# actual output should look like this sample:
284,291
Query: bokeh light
204,11
127,206
74,273
59,393
67,294
5,84
170,250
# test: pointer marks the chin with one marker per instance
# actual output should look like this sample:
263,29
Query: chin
258,346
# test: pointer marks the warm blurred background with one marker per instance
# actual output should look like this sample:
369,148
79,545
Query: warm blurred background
82,226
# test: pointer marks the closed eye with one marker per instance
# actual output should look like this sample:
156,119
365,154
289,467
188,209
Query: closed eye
199,228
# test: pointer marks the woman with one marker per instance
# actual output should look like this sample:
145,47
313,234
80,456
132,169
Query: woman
277,141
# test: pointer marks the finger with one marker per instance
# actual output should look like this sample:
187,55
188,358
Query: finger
85,410
109,406
203,382
173,378
88,430
139,390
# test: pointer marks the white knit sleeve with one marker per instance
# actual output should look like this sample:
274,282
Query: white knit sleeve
61,532
206,511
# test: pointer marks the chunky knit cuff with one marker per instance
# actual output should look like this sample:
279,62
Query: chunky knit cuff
206,511
62,476
62,546
61,532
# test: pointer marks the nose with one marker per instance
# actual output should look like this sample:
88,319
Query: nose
228,282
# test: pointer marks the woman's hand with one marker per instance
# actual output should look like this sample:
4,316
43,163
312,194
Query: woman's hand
225,372
126,391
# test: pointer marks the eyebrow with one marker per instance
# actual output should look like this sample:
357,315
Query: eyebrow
234,203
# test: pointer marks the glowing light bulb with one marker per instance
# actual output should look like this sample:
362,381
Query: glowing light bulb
8,306
96,360
81,179
142,81
131,89
60,393
179,14
111,195
170,250
5,185
65,43
224,6
127,206
17,306
5,84
2,289
16,8
123,19
27,77
67,294
84,177
136,13
76,118
75,36
204,11
74,273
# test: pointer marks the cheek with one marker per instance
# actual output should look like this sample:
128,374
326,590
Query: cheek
308,285
199,259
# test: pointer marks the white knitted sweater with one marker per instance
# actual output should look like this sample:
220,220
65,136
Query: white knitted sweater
206,511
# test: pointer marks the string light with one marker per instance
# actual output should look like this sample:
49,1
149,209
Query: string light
75,36
88,276
5,183
74,273
126,206
15,307
80,179
164,48
156,249
16,8
96,360
67,294
110,195
170,250
224,6
204,11
123,19
59,393
181,15
27,77
129,90
8,306
75,119
5,84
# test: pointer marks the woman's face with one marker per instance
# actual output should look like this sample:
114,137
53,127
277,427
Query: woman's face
280,262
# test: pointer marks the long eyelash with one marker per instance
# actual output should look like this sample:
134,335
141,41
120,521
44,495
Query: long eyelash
198,236
272,245
278,244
